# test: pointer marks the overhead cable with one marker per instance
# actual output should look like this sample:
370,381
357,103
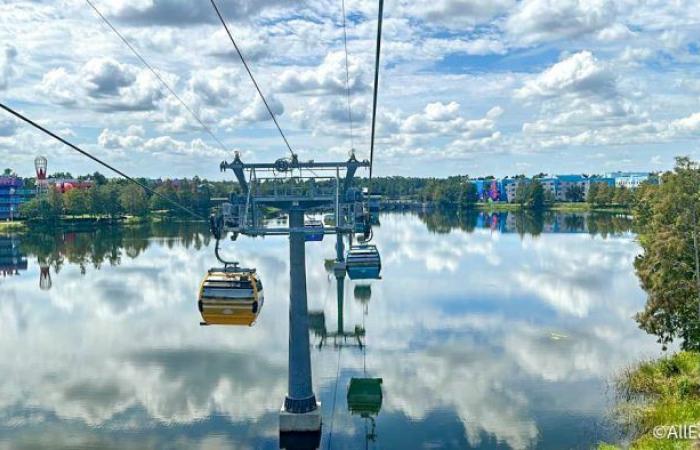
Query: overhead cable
247,68
99,161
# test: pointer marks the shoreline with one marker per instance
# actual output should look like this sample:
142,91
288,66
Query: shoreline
71,223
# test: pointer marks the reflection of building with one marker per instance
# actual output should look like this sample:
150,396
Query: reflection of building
11,259
12,194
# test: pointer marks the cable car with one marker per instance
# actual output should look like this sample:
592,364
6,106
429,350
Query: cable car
363,262
365,396
316,234
230,296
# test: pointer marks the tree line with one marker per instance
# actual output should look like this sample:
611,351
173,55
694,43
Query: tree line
668,221
114,198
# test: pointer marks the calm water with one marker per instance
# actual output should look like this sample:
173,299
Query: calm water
488,332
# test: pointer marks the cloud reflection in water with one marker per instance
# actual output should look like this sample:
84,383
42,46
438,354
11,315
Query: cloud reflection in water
498,331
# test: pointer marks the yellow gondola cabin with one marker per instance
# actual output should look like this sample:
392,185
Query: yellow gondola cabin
230,296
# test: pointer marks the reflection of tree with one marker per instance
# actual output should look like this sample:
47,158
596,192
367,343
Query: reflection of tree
97,246
532,222
444,220
606,224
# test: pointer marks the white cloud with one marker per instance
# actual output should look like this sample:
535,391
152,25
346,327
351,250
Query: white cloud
441,112
580,73
256,111
537,21
184,12
103,84
327,78
8,58
134,140
458,13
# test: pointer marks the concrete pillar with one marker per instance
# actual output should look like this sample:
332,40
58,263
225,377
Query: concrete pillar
300,412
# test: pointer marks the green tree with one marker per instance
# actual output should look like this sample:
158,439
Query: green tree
600,194
575,193
669,268
166,189
522,193
133,200
99,178
622,196
8,172
469,195
109,195
530,194
535,195
45,209
77,202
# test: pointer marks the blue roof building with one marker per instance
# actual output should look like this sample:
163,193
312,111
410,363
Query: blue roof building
12,194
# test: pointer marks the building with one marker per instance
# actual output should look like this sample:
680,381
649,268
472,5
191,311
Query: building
550,186
629,180
510,187
12,194
557,187
64,185
567,182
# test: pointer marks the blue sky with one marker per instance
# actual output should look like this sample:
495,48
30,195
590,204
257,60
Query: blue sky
467,86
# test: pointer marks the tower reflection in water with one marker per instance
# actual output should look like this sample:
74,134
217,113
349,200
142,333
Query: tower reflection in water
364,394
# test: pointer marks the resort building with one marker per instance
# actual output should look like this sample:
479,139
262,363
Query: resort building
64,185
12,194
562,188
629,180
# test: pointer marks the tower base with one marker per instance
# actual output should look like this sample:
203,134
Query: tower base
300,422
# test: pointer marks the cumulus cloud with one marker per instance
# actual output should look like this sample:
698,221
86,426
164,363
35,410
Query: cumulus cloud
215,87
581,104
537,21
103,84
474,53
134,140
184,12
257,112
580,73
329,115
327,78
458,13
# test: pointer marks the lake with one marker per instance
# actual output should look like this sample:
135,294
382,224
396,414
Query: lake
488,331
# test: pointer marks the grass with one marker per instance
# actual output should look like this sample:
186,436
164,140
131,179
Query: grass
661,392
498,206
558,206
576,207
12,226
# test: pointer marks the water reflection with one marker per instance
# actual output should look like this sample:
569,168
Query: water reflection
482,337
12,261
527,222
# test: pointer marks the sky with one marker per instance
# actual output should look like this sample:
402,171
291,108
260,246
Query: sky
497,87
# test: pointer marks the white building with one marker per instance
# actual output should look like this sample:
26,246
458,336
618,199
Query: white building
629,180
